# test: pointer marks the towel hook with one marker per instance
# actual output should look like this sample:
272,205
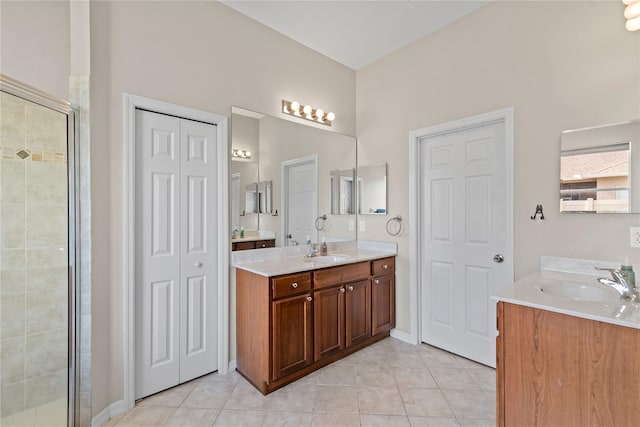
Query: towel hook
538,211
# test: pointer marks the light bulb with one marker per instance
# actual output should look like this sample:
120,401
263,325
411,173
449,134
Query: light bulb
319,114
633,24
330,116
247,153
632,11
628,2
294,106
307,109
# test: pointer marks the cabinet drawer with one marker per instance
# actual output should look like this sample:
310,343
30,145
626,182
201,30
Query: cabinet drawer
270,243
383,266
291,284
338,275
243,246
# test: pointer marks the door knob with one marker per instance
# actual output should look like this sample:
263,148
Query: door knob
197,264
499,258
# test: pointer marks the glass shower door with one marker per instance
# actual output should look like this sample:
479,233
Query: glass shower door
34,260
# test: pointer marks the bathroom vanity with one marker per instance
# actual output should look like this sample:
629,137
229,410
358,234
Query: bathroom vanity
295,315
567,353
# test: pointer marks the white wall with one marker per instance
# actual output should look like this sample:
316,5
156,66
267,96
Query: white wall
35,44
561,65
198,54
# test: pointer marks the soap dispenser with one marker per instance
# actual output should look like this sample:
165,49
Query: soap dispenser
627,271
323,247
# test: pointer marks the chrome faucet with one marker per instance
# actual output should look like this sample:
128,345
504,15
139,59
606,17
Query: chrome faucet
313,250
626,290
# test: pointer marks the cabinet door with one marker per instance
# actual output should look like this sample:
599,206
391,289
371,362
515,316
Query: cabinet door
357,312
383,304
328,321
292,335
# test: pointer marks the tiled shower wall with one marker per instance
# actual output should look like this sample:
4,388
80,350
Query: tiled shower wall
33,255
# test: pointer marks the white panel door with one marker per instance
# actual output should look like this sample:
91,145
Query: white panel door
301,202
175,289
199,251
157,284
464,217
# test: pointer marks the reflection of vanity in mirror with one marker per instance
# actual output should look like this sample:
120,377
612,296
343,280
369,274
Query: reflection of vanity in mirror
302,185
247,193
600,169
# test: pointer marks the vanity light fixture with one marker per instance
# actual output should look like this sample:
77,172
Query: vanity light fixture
318,115
632,14
240,153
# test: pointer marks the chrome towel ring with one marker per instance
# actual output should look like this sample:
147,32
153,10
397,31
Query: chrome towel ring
321,222
397,220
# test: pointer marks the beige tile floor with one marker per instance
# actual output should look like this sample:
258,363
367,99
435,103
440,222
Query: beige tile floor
390,383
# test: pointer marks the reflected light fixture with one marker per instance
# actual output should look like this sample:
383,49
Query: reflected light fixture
240,153
632,14
318,115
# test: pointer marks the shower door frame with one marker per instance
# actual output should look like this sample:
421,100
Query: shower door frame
32,94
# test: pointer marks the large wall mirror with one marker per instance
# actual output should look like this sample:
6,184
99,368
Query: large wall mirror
600,169
298,182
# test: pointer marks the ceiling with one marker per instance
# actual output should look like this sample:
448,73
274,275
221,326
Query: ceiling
355,33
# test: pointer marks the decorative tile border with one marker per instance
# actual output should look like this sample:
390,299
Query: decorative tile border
12,153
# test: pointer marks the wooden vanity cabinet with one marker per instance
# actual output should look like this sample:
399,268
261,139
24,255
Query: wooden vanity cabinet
328,322
559,370
292,332
342,311
290,325
383,291
253,244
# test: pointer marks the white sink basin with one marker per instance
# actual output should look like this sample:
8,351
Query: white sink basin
580,292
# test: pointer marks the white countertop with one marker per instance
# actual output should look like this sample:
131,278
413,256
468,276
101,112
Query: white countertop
253,235
277,261
250,239
527,292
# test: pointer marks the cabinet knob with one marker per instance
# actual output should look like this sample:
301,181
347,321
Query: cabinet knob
309,299
294,285
376,281
385,266
342,290
264,245
350,288
197,264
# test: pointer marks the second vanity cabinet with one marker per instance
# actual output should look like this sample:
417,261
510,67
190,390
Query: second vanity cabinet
291,325
556,369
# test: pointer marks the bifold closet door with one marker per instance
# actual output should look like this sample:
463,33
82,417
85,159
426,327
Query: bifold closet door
176,287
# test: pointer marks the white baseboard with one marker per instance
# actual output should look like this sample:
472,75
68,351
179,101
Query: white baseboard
403,336
232,366
113,410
